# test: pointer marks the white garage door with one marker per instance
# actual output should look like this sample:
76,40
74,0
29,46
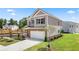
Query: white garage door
38,34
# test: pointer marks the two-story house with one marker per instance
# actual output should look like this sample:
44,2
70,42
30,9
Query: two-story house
70,27
41,25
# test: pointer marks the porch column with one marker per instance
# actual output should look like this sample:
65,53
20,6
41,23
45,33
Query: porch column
34,22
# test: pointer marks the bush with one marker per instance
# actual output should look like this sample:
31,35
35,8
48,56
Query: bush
42,49
9,40
1,40
6,40
62,31
17,38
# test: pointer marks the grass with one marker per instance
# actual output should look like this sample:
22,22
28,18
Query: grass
7,41
68,42
37,47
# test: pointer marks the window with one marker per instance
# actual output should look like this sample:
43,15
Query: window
43,21
37,21
40,21
70,26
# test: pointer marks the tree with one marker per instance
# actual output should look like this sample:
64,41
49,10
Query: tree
22,22
15,22
1,23
12,22
4,22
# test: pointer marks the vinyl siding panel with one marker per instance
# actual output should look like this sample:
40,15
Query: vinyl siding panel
55,26
54,21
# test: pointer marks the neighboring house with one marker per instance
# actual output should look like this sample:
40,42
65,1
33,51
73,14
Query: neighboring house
41,25
70,27
12,27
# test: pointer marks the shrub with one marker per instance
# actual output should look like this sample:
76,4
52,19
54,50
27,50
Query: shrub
42,49
9,41
6,40
62,31
17,38
1,40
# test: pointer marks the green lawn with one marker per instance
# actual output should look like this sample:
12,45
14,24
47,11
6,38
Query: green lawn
7,41
68,42
37,47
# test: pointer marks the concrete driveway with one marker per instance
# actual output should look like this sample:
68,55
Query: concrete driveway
19,46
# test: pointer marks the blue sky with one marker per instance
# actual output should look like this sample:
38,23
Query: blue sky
66,14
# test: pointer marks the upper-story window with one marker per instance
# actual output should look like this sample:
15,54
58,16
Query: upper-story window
71,26
40,21
43,21
37,21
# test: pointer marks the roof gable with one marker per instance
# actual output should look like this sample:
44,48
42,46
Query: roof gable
39,12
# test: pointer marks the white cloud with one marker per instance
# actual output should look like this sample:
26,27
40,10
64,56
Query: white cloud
10,10
71,12
13,14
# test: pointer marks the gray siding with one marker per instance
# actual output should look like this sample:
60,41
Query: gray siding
70,27
55,26
54,21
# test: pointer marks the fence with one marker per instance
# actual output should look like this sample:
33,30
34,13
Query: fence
7,31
